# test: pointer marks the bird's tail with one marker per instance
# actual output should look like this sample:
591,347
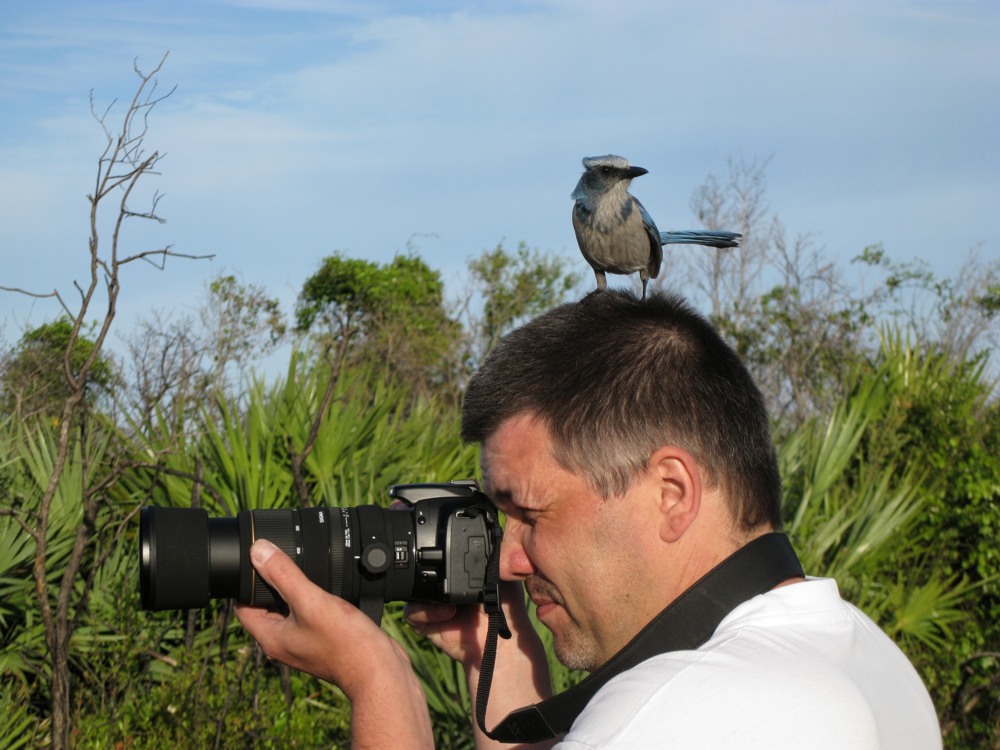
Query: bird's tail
701,237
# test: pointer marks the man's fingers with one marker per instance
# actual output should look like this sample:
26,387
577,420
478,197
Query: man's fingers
277,569
419,614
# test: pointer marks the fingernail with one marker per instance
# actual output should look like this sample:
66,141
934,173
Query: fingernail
261,551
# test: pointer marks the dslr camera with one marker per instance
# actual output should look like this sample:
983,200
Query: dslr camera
439,550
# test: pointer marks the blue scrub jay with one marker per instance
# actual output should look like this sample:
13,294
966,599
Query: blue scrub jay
614,231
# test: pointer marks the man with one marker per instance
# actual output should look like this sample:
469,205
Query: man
630,452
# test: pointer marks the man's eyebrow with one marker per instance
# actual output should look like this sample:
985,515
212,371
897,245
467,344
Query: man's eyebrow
501,496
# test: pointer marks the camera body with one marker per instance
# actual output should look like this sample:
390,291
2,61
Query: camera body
435,550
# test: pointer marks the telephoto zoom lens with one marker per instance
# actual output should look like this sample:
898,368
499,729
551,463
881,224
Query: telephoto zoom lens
187,558
437,549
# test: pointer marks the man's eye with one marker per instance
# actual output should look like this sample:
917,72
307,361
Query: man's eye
521,515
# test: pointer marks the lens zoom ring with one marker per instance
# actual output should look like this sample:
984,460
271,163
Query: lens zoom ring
279,529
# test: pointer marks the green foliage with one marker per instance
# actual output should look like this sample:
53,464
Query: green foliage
443,681
243,323
16,550
18,726
392,315
891,471
951,315
927,614
23,646
895,495
352,288
846,514
369,437
242,311
944,416
24,650
235,703
515,287
801,350
33,376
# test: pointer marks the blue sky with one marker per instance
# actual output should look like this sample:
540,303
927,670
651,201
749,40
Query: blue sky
303,127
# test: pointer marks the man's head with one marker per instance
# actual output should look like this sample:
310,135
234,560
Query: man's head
614,378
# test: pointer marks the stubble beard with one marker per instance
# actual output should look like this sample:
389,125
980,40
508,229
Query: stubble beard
576,652
574,648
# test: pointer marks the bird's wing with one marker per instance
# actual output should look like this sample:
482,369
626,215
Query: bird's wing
655,247
581,216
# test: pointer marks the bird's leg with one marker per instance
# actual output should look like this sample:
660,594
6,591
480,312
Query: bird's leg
602,279
644,276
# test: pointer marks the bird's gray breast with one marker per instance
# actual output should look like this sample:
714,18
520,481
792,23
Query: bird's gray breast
612,238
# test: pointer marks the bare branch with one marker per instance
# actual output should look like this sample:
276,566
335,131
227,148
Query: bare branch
27,293
25,526
163,253
54,294
151,213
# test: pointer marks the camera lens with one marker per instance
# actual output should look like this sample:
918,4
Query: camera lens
434,551
186,558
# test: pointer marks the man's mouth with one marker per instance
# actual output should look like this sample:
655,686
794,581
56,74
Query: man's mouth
544,596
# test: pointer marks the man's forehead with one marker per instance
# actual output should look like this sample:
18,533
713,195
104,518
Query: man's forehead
511,436
514,456
519,422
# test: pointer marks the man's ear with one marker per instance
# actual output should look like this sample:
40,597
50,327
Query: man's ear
678,481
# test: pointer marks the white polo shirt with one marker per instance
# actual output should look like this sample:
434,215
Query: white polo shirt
797,667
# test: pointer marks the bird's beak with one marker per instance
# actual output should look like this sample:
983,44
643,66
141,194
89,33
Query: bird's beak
634,172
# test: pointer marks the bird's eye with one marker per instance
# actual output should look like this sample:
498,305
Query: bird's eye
605,170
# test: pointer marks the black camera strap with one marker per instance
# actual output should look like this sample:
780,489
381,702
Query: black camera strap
687,623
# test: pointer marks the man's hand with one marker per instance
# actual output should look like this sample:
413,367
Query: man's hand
521,674
331,639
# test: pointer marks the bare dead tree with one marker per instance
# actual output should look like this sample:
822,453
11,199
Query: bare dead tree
967,322
792,316
164,361
121,167
735,203
774,297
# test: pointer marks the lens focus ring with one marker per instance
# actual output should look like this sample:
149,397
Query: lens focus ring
281,528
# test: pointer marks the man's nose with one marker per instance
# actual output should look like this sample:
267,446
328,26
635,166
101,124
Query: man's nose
515,564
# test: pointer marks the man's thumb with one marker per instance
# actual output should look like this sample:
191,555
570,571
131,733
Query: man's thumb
261,551
277,569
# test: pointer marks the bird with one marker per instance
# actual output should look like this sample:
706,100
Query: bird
615,232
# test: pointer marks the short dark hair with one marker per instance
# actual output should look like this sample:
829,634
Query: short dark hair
614,377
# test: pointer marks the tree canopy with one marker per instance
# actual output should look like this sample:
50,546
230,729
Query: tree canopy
36,374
